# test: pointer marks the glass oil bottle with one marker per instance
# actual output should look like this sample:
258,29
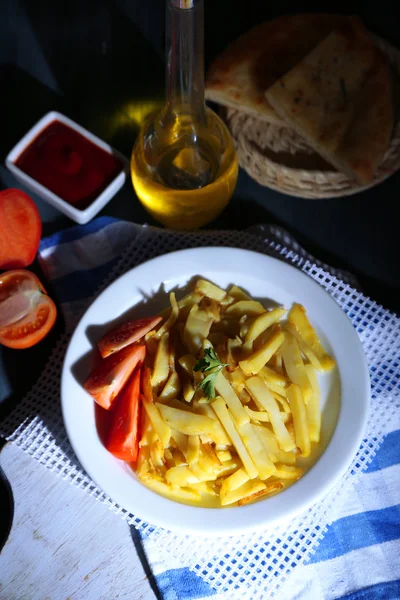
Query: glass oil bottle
184,166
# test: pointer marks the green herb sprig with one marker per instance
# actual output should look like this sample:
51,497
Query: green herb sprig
210,365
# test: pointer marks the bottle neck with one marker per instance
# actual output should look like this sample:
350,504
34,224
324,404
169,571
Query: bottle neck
185,58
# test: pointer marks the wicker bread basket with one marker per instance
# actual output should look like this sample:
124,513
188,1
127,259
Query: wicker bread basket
277,157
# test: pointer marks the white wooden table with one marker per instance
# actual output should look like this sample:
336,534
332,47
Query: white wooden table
63,544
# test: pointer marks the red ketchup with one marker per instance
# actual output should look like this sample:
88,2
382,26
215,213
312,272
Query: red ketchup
68,164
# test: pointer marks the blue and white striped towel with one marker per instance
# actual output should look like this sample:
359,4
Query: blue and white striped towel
359,556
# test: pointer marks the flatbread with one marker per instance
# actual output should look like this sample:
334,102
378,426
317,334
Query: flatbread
240,75
338,98
367,139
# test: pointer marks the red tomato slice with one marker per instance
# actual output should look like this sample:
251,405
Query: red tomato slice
123,439
26,313
126,334
20,229
108,379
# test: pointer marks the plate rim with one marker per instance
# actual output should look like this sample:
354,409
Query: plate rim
190,524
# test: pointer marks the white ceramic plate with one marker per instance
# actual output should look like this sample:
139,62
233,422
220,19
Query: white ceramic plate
142,291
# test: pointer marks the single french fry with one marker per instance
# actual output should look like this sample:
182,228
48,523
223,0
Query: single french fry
225,390
172,318
270,488
305,349
237,378
197,328
228,467
255,448
261,324
193,449
180,440
203,472
234,481
157,453
147,430
268,440
313,408
187,362
210,290
224,455
180,476
151,345
250,308
256,415
169,459
273,378
186,421
238,294
222,413
288,472
205,487
158,423
264,399
298,319
232,347
143,465
282,401
180,494
184,305
209,455
286,458
161,363
256,361
188,390
298,408
245,490
209,466
278,361
171,389
212,308
294,365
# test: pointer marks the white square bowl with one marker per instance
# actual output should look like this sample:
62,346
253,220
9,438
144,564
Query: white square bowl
78,215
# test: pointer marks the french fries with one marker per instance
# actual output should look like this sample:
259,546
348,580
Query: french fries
231,398
298,319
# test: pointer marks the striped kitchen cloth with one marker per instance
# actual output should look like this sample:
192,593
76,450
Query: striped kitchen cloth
359,555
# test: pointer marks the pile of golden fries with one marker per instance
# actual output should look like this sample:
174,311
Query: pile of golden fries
238,438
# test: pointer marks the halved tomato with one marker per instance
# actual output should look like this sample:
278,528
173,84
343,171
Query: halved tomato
20,229
126,334
26,312
123,439
108,379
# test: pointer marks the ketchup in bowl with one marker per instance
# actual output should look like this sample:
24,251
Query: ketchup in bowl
69,164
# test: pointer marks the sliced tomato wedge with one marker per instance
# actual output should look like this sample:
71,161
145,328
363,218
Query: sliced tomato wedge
26,312
126,334
108,378
20,229
123,439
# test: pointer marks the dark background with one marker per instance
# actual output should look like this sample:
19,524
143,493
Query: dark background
102,63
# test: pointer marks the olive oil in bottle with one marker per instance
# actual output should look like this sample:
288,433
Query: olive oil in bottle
184,166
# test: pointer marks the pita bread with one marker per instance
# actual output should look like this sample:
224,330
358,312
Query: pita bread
239,76
364,144
328,95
